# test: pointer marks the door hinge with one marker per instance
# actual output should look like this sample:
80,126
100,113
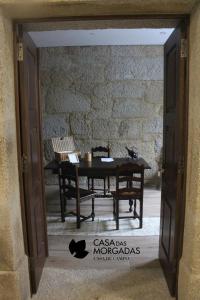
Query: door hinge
184,48
20,52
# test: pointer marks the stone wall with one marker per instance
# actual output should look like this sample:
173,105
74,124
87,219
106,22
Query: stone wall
14,276
104,93
189,275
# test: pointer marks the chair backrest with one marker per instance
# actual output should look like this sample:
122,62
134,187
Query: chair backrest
100,152
69,172
132,175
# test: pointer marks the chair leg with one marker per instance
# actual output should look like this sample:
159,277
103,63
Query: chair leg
78,218
135,206
104,186
141,213
109,184
61,200
117,214
88,182
62,208
93,214
93,184
114,212
130,205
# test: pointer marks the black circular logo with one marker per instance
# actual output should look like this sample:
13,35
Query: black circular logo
77,249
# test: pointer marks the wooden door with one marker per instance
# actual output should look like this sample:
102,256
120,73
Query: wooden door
174,145
31,154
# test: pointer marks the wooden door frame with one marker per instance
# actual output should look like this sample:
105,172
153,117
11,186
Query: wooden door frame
18,104
19,24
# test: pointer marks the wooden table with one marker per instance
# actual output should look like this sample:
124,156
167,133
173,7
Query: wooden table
97,167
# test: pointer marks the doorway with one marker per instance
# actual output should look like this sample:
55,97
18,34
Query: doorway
170,249
102,89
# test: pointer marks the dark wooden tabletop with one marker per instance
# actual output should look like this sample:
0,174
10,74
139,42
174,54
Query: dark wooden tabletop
96,165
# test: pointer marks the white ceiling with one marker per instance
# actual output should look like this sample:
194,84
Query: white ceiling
102,37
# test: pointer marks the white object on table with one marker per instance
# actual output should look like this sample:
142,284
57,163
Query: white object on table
73,158
107,159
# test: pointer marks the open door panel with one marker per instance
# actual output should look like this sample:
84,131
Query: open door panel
31,154
174,136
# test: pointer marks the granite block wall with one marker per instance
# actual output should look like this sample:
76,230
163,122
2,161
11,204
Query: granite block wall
104,94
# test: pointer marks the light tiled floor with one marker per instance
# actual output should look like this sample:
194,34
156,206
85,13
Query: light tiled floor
103,206
60,234
103,226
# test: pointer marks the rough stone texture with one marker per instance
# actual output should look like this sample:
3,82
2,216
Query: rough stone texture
58,8
80,125
104,93
14,282
189,278
152,125
55,125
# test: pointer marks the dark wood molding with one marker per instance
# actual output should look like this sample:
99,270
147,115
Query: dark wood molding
42,146
23,110
175,136
16,39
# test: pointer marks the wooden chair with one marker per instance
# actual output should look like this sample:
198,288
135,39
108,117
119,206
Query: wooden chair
99,152
132,178
70,189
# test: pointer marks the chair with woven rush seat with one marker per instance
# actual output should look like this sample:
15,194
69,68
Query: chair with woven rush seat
70,189
99,152
132,178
